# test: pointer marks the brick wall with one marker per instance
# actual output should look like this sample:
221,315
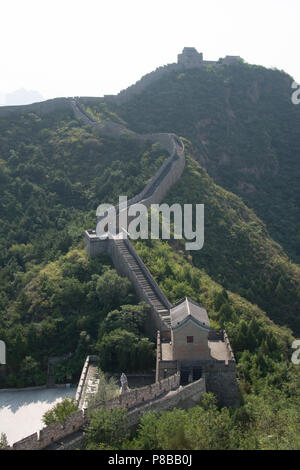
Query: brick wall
221,380
82,380
52,433
194,350
39,108
58,431
136,397
184,397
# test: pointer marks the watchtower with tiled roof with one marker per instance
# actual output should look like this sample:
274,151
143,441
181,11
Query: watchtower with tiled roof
189,331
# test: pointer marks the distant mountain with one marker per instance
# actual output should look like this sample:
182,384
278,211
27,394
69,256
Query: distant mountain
20,97
245,131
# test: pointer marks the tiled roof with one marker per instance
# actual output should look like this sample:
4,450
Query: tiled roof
188,309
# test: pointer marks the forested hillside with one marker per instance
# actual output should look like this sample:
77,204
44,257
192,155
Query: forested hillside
245,132
238,251
242,145
53,174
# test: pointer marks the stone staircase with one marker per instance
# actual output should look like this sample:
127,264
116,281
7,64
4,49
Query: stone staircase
144,280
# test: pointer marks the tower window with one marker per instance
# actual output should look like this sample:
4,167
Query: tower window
190,339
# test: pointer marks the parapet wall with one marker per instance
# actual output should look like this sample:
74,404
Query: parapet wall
164,300
52,433
41,108
82,379
58,431
154,321
153,193
221,335
184,397
169,172
226,341
138,396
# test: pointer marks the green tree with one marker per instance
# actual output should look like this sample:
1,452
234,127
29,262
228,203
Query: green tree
121,350
128,317
112,289
60,411
107,427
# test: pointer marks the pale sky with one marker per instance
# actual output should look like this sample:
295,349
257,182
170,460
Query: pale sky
97,47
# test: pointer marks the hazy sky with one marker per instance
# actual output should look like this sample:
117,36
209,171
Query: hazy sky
96,47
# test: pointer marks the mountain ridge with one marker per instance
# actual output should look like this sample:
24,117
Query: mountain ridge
45,137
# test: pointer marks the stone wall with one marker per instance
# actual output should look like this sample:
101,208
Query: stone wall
82,379
127,94
166,368
153,193
93,245
181,349
221,380
39,108
74,423
169,172
141,395
190,58
226,341
220,375
154,321
52,433
184,397
167,175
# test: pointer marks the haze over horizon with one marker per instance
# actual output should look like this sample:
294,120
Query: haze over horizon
67,49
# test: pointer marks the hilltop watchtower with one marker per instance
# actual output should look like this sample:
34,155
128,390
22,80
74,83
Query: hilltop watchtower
196,350
190,57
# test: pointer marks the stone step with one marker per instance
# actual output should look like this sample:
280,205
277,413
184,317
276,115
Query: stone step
143,280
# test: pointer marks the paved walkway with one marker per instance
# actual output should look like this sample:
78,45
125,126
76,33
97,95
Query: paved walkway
90,386
218,350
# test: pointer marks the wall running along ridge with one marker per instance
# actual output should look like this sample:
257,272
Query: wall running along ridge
165,394
123,253
220,374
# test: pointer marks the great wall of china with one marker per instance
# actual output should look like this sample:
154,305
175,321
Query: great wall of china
190,58
218,372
